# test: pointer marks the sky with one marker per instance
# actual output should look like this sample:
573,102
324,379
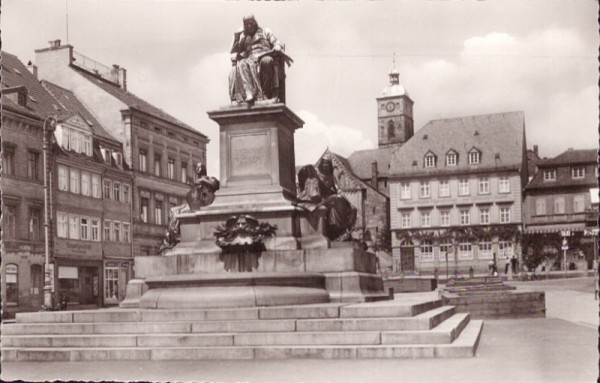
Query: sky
456,58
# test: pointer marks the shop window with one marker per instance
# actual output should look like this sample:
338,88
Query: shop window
485,250
111,284
68,283
465,251
12,284
426,250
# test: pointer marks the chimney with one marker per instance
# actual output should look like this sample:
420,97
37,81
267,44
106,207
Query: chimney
118,75
535,150
33,69
54,44
374,175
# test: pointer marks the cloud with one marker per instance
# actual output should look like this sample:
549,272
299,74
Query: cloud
546,74
316,135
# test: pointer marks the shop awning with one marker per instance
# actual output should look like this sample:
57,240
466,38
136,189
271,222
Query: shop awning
555,228
594,195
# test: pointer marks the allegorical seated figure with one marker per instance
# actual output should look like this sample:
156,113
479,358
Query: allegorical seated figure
319,191
257,58
202,193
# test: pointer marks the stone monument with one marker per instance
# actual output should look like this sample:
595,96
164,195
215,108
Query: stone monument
257,243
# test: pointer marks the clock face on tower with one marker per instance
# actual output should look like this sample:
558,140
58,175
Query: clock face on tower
390,106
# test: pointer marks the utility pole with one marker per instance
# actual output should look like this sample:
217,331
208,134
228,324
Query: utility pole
47,128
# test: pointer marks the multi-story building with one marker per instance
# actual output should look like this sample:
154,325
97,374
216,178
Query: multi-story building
25,106
455,194
92,211
559,203
160,149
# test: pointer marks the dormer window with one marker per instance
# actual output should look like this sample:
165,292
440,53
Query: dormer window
429,160
549,174
451,158
474,157
105,154
118,157
578,172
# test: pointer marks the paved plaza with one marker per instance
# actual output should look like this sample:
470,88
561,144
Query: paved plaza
561,348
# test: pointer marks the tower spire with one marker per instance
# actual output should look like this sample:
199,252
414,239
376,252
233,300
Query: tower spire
394,73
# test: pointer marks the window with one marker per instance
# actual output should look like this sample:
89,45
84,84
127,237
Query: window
75,140
143,160
85,184
35,223
12,284
74,176
540,206
391,130
107,188
116,191
465,250
107,230
87,145
559,205
444,188
504,185
33,159
505,215
451,159
465,217
426,250
158,212
126,232
578,204
96,186
425,219
549,175
73,226
8,160
116,231
157,165
405,217
126,193
484,216
445,247
66,137
95,229
85,228
578,172
404,190
9,222
505,248
485,250
424,190
184,172
144,209
444,217
63,225
430,161
463,187
484,185
171,168
37,279
474,158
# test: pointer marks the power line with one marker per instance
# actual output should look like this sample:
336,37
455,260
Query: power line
345,55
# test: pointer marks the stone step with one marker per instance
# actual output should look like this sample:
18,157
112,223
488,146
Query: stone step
423,321
464,346
445,333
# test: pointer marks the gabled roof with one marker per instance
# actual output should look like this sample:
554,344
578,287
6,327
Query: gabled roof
498,137
72,105
571,157
562,163
361,161
39,102
131,100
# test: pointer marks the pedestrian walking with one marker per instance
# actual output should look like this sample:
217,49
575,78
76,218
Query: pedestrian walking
507,263
596,280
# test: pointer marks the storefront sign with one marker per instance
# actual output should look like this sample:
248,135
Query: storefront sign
590,232
51,269
67,272
565,233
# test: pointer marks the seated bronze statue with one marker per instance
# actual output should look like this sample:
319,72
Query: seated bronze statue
319,191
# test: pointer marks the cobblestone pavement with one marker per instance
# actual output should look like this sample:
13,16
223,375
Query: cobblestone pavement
561,348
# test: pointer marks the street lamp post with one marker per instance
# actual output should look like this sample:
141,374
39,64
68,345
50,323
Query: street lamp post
48,127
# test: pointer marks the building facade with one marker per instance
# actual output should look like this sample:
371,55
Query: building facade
159,149
561,203
455,194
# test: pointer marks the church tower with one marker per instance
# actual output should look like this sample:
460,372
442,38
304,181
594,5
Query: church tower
394,113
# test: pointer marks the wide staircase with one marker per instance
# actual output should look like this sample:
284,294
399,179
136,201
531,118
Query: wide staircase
388,329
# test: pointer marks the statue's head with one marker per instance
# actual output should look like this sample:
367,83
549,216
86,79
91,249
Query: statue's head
325,166
200,169
250,25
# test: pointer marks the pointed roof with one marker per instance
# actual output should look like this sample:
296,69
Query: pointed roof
498,137
39,103
73,106
133,101
361,161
